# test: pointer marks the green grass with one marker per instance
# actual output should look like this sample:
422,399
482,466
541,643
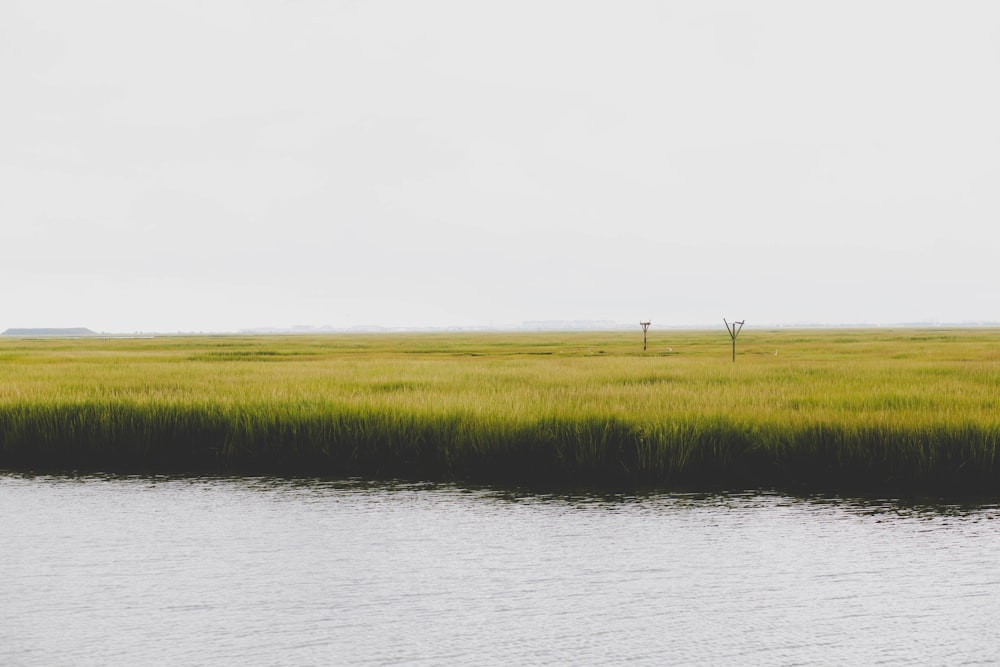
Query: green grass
882,410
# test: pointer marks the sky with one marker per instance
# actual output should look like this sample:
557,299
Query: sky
217,165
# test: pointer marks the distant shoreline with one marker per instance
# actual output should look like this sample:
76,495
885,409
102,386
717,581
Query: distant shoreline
527,327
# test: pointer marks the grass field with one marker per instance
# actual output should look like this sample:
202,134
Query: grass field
903,409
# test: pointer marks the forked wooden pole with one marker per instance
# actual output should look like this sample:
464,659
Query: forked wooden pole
733,333
645,326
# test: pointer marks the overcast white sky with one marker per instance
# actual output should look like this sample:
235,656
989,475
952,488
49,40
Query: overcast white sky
211,165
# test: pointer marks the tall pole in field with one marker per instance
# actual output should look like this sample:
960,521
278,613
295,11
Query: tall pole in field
645,326
733,333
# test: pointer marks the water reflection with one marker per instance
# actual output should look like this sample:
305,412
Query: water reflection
262,571
916,507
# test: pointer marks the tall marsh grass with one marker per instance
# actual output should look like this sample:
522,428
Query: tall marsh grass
877,409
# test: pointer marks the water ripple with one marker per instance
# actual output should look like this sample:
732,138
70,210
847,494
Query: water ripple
259,571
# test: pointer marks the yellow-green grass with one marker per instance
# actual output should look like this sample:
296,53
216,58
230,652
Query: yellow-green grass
860,409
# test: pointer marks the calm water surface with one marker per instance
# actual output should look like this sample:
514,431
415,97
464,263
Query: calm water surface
220,571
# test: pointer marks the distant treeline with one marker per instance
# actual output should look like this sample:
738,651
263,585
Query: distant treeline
71,331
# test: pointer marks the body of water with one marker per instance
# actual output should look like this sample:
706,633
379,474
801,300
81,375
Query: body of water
223,571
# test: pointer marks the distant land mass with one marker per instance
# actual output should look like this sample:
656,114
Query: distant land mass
533,325
69,331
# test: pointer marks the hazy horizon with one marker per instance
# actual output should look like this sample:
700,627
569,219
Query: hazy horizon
524,327
186,166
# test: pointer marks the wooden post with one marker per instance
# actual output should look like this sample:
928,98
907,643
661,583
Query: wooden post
645,326
733,333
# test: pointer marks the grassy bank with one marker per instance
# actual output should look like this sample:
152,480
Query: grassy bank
881,410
